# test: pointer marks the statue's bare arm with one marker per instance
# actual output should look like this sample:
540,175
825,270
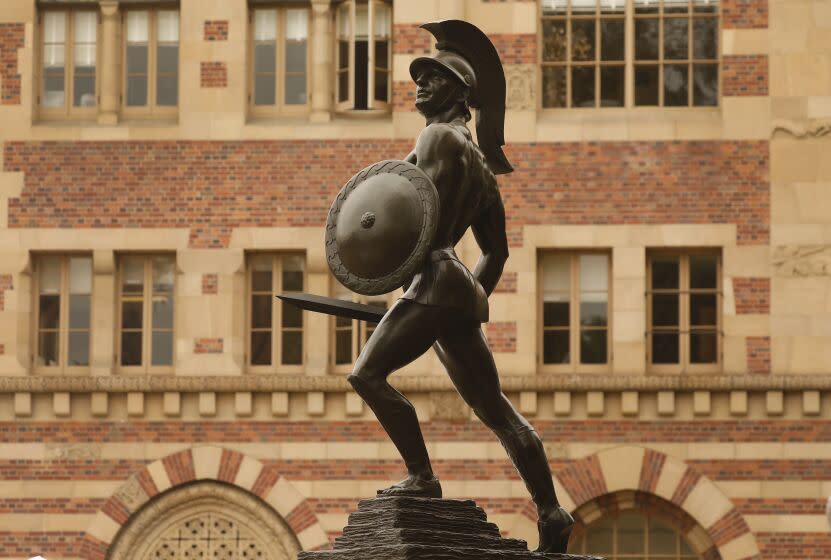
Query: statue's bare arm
489,231
437,153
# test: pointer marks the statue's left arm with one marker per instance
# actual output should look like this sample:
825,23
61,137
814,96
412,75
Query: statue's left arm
489,231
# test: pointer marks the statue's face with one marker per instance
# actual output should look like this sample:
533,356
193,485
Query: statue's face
436,90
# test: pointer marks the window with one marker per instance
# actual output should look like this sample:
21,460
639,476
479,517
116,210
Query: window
275,333
684,306
673,55
69,52
575,310
280,66
63,312
631,535
364,55
350,335
151,62
146,319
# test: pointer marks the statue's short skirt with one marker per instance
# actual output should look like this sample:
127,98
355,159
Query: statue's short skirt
446,282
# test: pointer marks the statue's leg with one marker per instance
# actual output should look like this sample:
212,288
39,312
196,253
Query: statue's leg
468,360
405,333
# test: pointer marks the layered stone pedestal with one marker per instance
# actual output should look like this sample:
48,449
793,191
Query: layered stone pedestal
402,528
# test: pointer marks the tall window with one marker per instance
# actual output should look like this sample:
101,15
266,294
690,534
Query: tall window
63,315
575,310
351,335
69,42
684,308
625,53
364,55
146,320
631,535
275,329
151,61
280,66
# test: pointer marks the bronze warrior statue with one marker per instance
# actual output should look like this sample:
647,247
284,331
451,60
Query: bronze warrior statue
444,304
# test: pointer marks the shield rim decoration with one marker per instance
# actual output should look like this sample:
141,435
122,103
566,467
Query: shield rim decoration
429,197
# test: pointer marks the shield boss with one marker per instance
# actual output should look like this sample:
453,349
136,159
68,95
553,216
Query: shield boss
380,227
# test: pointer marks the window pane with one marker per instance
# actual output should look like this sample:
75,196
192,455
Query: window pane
54,27
361,21
292,348
703,271
383,20
137,91
131,349
556,269
163,274
594,273
665,310
705,85
48,348
84,89
703,309
265,58
612,6
382,49
162,348
344,21
137,27
85,24
295,90
265,93
78,354
261,311
646,39
133,275
554,40
685,548
611,39
131,314
600,538
79,311
49,279
705,6
676,40
665,273
646,85
582,39
703,348
168,59
665,348
137,59
630,531
553,86
662,540
167,91
50,313
53,86
382,86
582,87
261,348
167,25
705,38
292,315
343,347
676,6
554,7
261,273
675,85
296,56
611,86
593,310
646,6
343,86
593,347
583,7
555,347
556,311
292,273
265,25
80,275
163,312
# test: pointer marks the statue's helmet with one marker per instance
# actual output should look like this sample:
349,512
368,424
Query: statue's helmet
449,61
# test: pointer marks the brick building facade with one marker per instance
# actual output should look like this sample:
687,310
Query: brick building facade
663,320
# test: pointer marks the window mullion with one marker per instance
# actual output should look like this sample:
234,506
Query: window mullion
280,59
353,31
629,54
574,318
684,315
569,62
63,310
68,64
276,308
146,303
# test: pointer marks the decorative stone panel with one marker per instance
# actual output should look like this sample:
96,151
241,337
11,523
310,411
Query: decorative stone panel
520,94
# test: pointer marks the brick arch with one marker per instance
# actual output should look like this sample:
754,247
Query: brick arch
630,468
203,463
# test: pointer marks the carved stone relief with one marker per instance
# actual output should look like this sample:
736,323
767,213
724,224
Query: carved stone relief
814,128
74,451
802,260
205,520
519,79
448,406
132,495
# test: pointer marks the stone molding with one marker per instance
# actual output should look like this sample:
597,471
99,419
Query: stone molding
814,128
416,384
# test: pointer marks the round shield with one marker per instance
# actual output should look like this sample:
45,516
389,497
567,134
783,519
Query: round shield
380,227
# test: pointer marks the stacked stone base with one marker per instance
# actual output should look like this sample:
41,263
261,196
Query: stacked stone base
403,528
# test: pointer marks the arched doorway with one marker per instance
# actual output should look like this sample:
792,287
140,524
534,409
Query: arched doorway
205,520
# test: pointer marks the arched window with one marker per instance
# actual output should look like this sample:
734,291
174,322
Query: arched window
633,535
205,520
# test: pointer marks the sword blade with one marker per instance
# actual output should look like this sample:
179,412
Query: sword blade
333,306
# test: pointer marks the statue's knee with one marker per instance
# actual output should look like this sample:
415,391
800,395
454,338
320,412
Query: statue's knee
363,384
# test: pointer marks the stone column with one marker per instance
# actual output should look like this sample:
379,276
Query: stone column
103,312
321,61
108,65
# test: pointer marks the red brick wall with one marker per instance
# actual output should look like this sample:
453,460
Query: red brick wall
210,284
758,354
784,546
207,346
744,14
507,284
752,295
216,30
213,75
745,75
409,38
501,336
515,48
258,184
11,39
5,284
